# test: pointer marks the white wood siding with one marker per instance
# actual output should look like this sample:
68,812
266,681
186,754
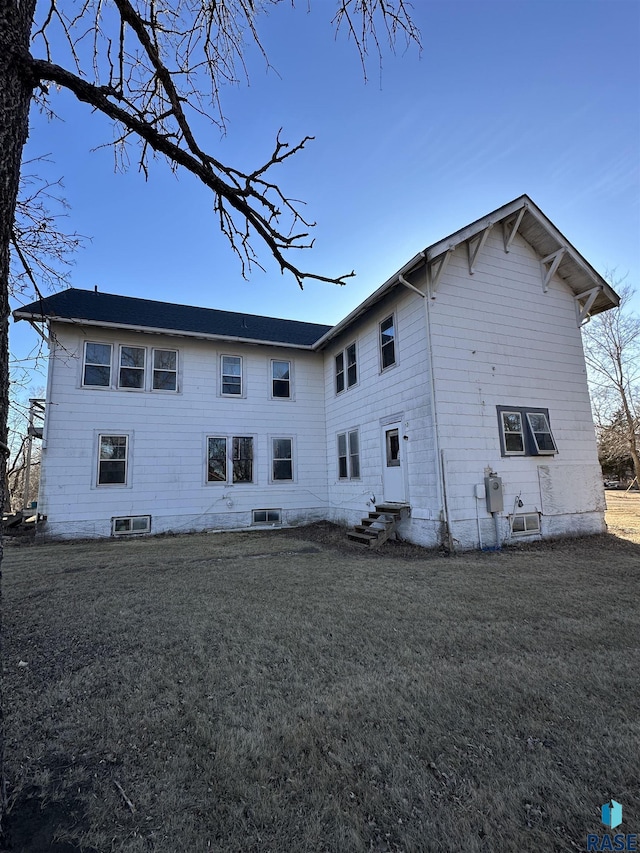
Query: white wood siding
402,390
167,465
498,339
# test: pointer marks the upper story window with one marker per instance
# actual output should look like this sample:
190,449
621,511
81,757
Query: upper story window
346,368
97,365
165,370
281,379
131,371
112,460
132,362
387,343
231,366
525,432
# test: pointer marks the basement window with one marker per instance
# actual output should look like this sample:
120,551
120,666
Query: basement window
267,516
524,523
128,524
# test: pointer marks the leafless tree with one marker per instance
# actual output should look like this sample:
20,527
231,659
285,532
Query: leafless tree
612,351
157,69
42,250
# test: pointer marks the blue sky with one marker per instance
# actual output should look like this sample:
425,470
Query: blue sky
508,97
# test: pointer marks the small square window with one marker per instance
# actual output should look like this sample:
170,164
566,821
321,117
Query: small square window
524,523
131,524
267,516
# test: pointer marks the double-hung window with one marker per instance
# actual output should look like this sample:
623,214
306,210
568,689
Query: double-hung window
132,362
346,363
231,368
525,431
97,365
230,457
349,455
387,343
281,459
113,452
165,370
281,380
242,459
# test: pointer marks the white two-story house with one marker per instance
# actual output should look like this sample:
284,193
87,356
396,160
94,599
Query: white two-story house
456,393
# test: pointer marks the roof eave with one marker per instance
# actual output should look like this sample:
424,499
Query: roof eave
151,330
376,296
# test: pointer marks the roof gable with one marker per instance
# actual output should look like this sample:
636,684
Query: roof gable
557,257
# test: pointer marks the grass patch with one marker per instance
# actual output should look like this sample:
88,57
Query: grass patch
282,691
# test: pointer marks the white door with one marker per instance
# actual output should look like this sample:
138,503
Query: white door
393,469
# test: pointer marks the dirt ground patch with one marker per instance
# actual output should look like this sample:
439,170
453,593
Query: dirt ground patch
288,690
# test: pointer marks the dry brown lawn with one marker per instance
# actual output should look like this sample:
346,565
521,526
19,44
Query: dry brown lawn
286,691
623,514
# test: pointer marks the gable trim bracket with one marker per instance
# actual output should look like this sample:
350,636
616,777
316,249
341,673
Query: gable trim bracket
475,245
553,261
584,302
510,227
435,270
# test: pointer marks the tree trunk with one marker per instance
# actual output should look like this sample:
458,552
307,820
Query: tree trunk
16,87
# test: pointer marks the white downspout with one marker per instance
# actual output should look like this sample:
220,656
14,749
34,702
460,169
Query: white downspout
441,486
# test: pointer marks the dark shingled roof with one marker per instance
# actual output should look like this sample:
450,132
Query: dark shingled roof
78,305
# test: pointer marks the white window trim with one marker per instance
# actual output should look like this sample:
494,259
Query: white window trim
108,387
221,375
522,452
267,510
529,441
291,396
115,365
542,451
347,437
527,518
345,365
294,457
391,316
348,387
98,434
143,387
228,481
130,518
175,390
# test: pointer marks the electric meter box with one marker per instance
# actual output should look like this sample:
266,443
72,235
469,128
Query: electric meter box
495,497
